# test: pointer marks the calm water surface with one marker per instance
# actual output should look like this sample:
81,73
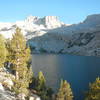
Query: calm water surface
77,70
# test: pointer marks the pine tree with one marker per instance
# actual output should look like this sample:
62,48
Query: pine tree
2,51
19,53
22,85
40,86
94,91
65,92
19,56
41,82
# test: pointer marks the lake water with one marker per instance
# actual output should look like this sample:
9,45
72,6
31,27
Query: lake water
77,70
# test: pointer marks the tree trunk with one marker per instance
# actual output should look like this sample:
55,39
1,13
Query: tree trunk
16,75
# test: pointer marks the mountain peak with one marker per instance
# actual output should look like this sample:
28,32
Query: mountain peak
47,21
93,19
52,21
31,18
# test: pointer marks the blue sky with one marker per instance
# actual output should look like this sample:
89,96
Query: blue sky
69,11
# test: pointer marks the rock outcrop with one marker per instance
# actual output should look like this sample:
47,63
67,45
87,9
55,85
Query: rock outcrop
48,22
6,85
7,95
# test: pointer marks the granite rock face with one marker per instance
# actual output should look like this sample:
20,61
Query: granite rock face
6,84
6,95
47,21
80,39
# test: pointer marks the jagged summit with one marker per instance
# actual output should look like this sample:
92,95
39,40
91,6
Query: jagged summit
31,19
31,24
47,21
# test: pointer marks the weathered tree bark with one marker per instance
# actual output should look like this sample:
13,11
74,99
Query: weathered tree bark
16,75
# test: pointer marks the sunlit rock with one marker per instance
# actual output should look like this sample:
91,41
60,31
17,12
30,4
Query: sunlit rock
1,87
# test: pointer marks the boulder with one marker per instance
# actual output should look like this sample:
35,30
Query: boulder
6,95
8,83
21,96
1,87
34,97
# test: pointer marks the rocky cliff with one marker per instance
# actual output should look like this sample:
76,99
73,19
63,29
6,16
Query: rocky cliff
48,22
81,39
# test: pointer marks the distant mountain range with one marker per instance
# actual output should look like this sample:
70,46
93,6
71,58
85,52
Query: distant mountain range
50,35
31,24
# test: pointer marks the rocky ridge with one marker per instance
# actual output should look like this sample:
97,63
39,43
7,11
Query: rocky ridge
80,39
31,24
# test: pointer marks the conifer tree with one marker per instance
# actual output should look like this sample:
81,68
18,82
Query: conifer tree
22,84
19,56
40,86
2,51
94,91
65,92
41,82
19,53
